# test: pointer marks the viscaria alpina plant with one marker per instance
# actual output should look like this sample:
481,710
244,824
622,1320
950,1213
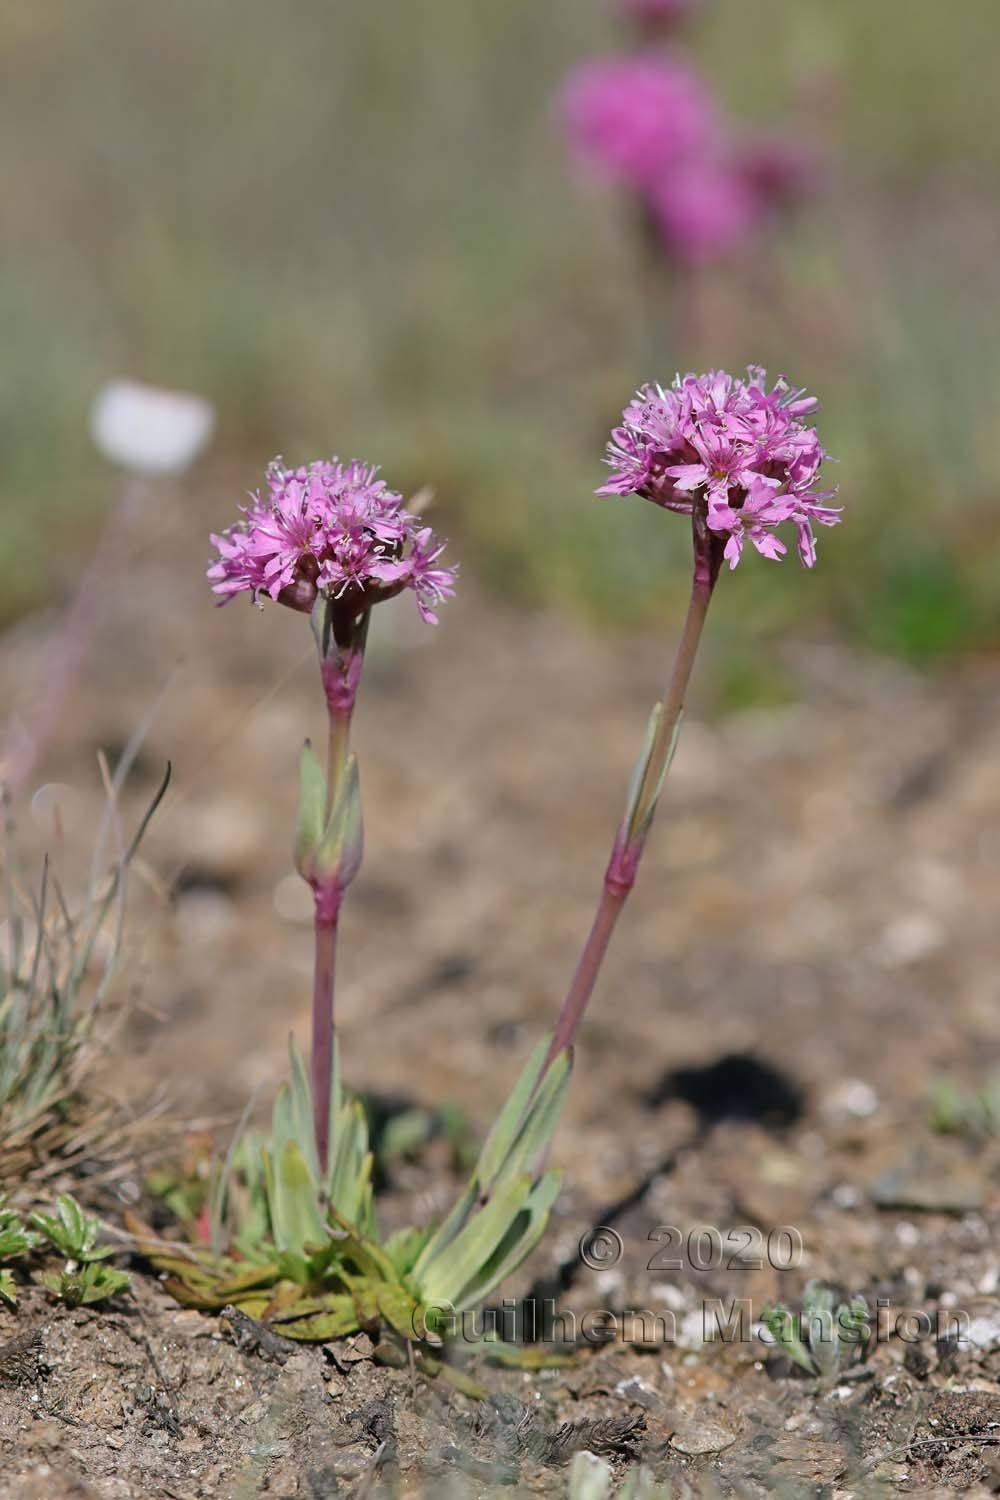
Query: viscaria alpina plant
700,186
633,119
330,540
291,1222
739,461
294,1236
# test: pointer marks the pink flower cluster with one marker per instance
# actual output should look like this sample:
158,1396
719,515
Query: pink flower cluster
632,118
647,121
335,528
741,451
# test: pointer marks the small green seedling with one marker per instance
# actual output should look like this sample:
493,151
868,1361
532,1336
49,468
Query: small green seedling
15,1242
83,1280
71,1232
825,1337
86,1285
954,1112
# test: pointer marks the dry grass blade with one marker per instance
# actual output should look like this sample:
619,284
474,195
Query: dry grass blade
53,992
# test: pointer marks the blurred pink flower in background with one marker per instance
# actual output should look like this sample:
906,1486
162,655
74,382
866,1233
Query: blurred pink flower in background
779,170
646,121
704,209
659,15
632,118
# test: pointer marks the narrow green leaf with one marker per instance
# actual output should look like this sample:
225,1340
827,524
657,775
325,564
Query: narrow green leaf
282,1123
464,1258
342,848
452,1375
336,1106
312,810
369,1257
522,1235
535,1135
16,1241
443,1236
525,1356
340,1320
98,1283
507,1123
641,828
297,1222
348,1171
404,1246
780,1323
515,1146
250,1280
398,1309
8,1288
301,1110
365,1295
639,769
82,1232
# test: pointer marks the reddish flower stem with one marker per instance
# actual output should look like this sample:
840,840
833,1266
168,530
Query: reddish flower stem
341,659
630,838
322,1030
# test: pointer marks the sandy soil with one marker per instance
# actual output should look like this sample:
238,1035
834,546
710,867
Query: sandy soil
813,941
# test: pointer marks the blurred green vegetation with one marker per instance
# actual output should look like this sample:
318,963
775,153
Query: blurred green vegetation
354,227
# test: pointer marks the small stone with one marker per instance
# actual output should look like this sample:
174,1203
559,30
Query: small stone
853,1097
983,1331
697,1437
691,1330
283,1482
932,1178
909,939
352,1462
640,1393
255,1412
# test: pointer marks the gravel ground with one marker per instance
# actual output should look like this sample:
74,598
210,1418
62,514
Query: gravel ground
812,943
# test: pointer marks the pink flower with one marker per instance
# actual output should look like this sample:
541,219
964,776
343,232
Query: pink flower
759,510
742,452
777,170
334,528
632,118
417,571
704,208
658,15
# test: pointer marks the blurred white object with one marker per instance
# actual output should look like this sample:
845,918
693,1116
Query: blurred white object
55,806
149,430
